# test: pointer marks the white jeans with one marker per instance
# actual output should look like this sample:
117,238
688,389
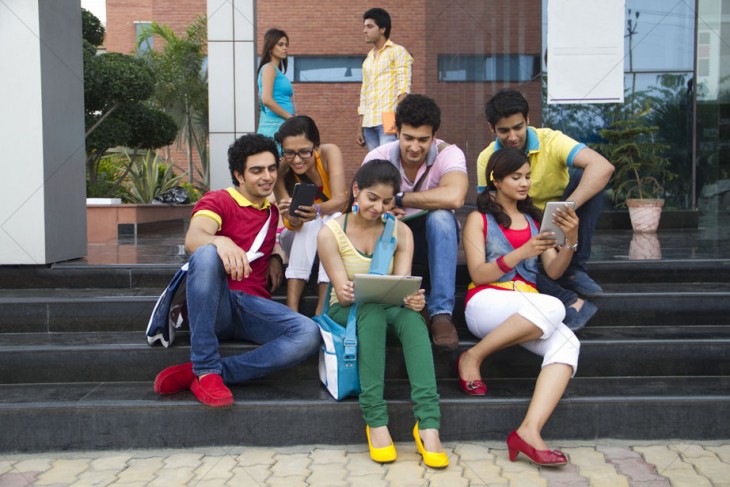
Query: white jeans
489,308
301,248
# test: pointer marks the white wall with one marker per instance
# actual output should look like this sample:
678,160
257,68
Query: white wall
231,80
43,215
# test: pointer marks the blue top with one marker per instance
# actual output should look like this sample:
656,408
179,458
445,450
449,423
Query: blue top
282,95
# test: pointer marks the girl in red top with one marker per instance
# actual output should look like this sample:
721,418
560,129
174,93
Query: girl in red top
502,244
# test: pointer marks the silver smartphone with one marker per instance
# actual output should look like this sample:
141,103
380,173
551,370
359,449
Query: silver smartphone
548,225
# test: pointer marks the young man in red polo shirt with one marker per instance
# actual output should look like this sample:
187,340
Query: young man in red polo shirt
231,238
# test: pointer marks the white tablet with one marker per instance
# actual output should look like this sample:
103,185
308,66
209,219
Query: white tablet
372,288
547,224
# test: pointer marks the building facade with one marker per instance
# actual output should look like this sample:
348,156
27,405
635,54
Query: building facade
467,50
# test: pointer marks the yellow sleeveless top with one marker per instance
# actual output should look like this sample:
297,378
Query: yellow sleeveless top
355,261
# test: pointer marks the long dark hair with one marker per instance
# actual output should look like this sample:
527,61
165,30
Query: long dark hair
501,164
271,37
293,126
377,171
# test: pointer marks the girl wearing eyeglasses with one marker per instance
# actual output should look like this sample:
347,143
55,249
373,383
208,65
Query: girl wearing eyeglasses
304,160
275,89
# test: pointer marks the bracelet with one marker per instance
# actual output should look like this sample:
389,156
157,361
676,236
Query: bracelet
503,265
316,207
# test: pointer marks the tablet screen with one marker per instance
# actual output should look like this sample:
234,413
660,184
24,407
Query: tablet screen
372,288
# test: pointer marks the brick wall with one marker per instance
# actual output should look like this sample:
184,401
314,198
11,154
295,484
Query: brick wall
336,28
122,14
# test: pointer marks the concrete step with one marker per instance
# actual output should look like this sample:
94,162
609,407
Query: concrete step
128,415
609,352
100,309
81,275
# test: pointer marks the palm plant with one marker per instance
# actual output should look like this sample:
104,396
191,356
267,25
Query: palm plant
149,177
181,89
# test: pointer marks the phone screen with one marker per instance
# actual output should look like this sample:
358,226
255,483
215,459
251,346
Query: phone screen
304,195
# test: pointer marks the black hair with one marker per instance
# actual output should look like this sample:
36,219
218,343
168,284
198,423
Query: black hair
271,37
293,126
416,111
501,164
245,146
381,19
298,125
377,171
506,103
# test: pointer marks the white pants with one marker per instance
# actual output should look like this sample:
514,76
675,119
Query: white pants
301,248
489,308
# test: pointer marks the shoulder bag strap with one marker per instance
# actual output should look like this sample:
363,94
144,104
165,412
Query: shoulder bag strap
385,247
253,253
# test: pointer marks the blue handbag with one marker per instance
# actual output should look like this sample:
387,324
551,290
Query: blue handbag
338,357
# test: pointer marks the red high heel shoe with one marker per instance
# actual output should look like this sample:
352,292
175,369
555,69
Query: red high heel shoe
544,458
470,387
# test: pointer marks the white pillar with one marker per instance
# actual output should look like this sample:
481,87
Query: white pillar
231,80
43,211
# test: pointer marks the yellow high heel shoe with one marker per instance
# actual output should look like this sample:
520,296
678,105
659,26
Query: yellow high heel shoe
430,459
386,454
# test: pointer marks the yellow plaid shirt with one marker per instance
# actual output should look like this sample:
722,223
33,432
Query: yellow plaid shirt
385,75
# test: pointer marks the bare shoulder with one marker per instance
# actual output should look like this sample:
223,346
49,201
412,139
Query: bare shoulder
474,219
403,230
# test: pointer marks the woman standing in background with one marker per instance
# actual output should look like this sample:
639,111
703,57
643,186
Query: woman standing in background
275,89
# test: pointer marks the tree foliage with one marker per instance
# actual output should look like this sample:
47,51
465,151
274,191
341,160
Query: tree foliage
91,29
116,87
181,88
641,169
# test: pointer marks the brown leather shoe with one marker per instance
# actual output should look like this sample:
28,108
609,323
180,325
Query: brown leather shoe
443,332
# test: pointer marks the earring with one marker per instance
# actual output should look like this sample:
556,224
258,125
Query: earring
384,217
355,208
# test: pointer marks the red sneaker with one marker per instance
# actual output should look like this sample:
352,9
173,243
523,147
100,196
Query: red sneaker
174,379
211,391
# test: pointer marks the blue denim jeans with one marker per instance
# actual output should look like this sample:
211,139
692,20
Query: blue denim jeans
440,230
588,215
374,136
215,312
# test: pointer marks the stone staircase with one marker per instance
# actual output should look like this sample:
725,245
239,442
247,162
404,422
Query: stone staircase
76,371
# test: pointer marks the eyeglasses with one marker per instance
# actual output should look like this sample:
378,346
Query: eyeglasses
289,155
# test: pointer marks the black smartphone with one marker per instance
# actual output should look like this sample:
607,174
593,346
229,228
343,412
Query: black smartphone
304,195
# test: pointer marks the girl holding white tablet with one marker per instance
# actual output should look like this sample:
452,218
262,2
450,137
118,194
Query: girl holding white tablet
345,246
503,307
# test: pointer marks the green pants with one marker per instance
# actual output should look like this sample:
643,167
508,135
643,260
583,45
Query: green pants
373,323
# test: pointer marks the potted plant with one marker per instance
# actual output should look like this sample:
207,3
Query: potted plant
641,169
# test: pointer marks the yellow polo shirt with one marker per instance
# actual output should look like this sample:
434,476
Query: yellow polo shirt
551,154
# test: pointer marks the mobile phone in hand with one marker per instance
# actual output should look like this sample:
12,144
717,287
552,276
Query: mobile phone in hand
548,225
304,195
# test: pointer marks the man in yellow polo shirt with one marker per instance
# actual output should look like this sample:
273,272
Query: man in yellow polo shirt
562,170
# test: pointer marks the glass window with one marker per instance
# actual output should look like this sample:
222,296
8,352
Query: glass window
474,67
662,35
326,69
148,43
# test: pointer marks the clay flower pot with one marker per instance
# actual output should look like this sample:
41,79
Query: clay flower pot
645,214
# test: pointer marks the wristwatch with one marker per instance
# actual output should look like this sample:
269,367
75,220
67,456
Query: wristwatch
399,199
573,247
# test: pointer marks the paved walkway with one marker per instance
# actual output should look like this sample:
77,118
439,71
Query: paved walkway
610,464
